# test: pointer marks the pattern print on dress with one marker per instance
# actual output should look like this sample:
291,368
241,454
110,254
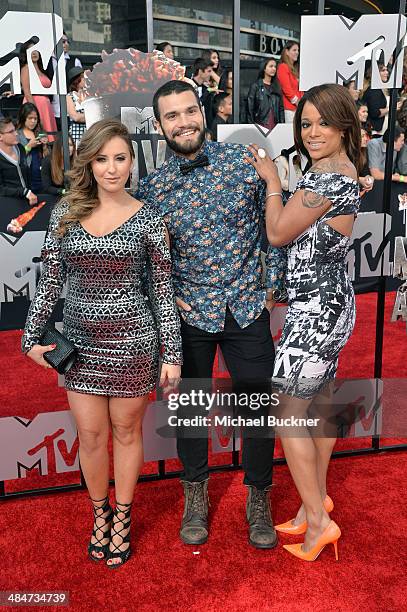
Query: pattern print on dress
321,313
117,332
76,129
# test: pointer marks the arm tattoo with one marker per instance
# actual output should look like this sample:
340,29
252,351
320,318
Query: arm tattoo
311,199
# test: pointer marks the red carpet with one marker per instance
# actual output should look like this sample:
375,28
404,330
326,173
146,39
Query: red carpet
27,389
44,538
44,542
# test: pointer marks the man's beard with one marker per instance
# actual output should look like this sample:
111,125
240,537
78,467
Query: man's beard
189,147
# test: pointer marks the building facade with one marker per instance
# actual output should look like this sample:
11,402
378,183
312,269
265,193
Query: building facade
190,26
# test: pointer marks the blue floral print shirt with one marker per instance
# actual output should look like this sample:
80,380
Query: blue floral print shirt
214,216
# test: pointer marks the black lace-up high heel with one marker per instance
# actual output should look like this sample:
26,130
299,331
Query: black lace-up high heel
121,523
103,516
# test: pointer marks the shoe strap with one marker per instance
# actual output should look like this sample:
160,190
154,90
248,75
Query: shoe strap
126,522
98,512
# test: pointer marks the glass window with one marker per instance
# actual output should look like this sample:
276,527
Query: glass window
191,33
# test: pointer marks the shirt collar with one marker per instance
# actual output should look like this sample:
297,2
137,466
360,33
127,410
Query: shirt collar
204,150
11,159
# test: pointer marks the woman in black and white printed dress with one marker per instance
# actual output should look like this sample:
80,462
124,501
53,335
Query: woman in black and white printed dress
74,100
315,224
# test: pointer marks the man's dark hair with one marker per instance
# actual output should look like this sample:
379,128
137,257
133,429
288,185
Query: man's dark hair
161,46
219,98
172,87
397,133
201,64
4,122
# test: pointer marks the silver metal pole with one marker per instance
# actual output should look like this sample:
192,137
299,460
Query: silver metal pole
56,10
150,25
386,208
236,61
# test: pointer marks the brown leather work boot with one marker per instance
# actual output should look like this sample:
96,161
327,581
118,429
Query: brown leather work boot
194,525
261,529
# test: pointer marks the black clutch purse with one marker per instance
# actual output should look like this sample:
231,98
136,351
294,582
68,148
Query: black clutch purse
64,355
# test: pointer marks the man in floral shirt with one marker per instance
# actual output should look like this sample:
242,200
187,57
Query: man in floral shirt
212,202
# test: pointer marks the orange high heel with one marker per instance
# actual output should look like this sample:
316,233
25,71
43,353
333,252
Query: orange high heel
292,529
331,535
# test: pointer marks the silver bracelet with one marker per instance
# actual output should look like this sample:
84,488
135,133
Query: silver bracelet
274,193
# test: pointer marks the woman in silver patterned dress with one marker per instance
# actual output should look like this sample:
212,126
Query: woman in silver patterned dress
315,224
102,241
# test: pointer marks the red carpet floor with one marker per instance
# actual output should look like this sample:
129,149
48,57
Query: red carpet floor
44,547
44,538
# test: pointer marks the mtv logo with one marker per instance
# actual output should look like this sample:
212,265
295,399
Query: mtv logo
362,403
137,120
40,25
368,248
48,441
159,441
400,258
280,138
19,277
334,49
147,153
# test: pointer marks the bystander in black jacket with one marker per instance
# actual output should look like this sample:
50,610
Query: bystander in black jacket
261,99
48,184
14,176
375,100
214,127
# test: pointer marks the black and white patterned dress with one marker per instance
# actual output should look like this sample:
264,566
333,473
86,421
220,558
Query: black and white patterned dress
321,312
118,333
76,129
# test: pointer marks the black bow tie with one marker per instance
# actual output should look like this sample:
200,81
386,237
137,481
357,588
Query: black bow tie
199,162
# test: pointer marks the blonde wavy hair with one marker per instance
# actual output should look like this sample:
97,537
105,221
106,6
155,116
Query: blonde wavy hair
82,197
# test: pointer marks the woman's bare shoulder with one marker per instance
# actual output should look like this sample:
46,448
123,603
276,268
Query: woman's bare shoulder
335,166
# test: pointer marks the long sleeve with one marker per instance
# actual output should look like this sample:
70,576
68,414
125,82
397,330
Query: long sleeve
375,100
281,109
161,292
251,103
276,257
50,285
289,84
276,267
46,178
11,191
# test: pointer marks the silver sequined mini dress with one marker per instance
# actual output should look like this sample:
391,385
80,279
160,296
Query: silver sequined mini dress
118,331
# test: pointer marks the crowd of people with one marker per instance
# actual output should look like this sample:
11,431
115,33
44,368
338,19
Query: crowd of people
271,99
27,157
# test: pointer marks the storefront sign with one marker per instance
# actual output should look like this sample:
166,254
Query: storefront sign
272,44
